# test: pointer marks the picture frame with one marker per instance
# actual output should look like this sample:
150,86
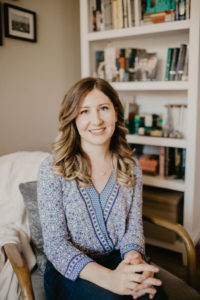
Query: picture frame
1,40
20,23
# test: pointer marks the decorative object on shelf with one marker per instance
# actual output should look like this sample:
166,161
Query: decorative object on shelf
20,23
146,66
175,122
0,27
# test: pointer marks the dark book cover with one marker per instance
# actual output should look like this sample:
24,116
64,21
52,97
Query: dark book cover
181,62
168,64
172,72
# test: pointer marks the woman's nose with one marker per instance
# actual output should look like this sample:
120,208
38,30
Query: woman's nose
96,118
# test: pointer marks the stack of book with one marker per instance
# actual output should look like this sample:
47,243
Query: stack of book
177,63
127,64
162,161
165,11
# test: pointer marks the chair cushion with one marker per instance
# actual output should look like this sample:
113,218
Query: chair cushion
176,288
29,193
38,285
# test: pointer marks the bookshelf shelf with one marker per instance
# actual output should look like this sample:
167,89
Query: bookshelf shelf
151,86
162,182
139,30
152,96
156,141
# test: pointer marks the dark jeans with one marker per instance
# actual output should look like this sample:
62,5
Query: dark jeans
57,287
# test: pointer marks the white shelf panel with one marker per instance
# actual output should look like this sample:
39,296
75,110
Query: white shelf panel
156,141
163,182
139,30
151,86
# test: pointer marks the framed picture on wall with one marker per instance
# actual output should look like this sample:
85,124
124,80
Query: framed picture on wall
20,23
0,26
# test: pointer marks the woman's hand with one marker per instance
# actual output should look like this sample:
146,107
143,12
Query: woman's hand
131,277
134,258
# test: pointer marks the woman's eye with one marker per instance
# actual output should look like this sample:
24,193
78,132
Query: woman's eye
104,108
85,111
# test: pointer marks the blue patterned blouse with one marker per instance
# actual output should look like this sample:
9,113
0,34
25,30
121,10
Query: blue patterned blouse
78,223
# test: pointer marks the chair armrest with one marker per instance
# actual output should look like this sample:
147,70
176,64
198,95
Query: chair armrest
183,234
21,270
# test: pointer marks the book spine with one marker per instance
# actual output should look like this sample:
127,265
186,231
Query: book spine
173,64
162,162
129,12
181,62
182,9
185,69
168,63
114,14
137,9
187,9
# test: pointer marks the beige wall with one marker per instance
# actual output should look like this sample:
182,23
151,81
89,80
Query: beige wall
35,76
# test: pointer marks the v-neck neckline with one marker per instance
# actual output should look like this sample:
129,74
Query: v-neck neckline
109,178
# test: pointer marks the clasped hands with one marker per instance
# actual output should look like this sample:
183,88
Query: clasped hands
135,277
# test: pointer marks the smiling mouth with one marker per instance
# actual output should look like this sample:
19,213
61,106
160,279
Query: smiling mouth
96,131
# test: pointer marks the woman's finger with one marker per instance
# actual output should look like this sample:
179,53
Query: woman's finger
152,281
142,268
151,291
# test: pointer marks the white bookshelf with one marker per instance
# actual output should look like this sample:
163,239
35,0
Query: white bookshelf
156,141
159,37
139,30
151,86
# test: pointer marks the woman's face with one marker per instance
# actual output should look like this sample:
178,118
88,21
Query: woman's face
96,119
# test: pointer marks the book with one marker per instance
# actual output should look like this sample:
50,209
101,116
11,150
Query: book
92,15
114,14
185,69
137,8
168,64
182,9
100,65
129,13
125,13
181,62
162,161
172,72
108,14
131,64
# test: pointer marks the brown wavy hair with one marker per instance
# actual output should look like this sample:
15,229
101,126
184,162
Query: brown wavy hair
69,159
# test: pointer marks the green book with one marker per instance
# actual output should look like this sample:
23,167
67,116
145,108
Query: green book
168,63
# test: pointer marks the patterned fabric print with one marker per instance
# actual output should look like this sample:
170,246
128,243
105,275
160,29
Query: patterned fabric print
128,206
71,229
93,202
66,258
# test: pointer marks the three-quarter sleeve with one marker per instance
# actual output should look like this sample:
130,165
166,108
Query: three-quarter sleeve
66,258
133,238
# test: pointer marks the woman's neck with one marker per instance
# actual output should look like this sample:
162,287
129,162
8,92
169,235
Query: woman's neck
98,153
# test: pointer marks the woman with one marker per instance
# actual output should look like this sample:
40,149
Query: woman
89,194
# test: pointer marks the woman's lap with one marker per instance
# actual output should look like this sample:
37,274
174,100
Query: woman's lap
59,287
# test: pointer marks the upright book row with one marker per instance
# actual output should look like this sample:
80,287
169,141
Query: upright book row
118,14
177,63
126,64
111,14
